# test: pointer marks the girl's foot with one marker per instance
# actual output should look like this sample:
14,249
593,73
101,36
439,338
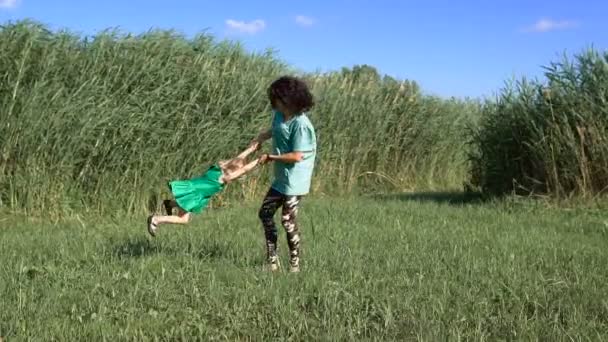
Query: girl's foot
152,227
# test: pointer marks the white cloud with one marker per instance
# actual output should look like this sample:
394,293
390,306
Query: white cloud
251,27
8,3
305,21
546,25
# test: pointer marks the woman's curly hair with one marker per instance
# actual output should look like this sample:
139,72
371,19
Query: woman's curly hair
293,92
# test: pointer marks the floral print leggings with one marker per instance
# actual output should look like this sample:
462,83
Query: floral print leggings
271,204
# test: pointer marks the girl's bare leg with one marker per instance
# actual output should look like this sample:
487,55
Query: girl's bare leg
181,218
154,221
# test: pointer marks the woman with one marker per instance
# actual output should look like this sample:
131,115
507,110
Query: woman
293,153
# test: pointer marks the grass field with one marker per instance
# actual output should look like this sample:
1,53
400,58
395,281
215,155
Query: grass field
403,267
424,266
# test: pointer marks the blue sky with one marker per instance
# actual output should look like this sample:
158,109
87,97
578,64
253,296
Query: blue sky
452,48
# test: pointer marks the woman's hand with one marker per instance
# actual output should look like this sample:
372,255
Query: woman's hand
265,158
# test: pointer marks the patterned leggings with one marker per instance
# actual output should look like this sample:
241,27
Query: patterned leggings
271,204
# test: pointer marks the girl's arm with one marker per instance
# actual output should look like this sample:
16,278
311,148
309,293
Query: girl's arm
229,177
247,151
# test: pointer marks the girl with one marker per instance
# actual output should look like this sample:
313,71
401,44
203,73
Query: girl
193,195
293,152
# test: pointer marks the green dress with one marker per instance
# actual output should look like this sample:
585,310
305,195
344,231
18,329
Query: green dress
193,195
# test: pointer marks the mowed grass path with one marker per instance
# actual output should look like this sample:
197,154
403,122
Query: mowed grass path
400,268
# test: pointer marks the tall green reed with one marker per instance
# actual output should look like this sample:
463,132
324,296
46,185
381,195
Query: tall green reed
101,123
547,138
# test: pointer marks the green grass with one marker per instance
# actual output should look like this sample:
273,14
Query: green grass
403,267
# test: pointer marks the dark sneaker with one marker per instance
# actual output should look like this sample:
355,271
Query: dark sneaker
168,207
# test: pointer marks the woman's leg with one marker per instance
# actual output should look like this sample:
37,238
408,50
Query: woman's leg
272,201
288,219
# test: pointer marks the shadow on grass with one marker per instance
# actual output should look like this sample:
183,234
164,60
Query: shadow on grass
451,198
136,248
211,250
204,250
224,250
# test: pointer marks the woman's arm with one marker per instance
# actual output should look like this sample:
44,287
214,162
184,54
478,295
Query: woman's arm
264,135
291,157
301,141
260,139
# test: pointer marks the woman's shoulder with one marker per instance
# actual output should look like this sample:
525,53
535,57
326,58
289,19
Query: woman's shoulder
302,120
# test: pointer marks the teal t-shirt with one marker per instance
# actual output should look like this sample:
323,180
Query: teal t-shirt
295,135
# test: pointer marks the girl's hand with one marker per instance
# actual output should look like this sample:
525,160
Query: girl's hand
255,144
